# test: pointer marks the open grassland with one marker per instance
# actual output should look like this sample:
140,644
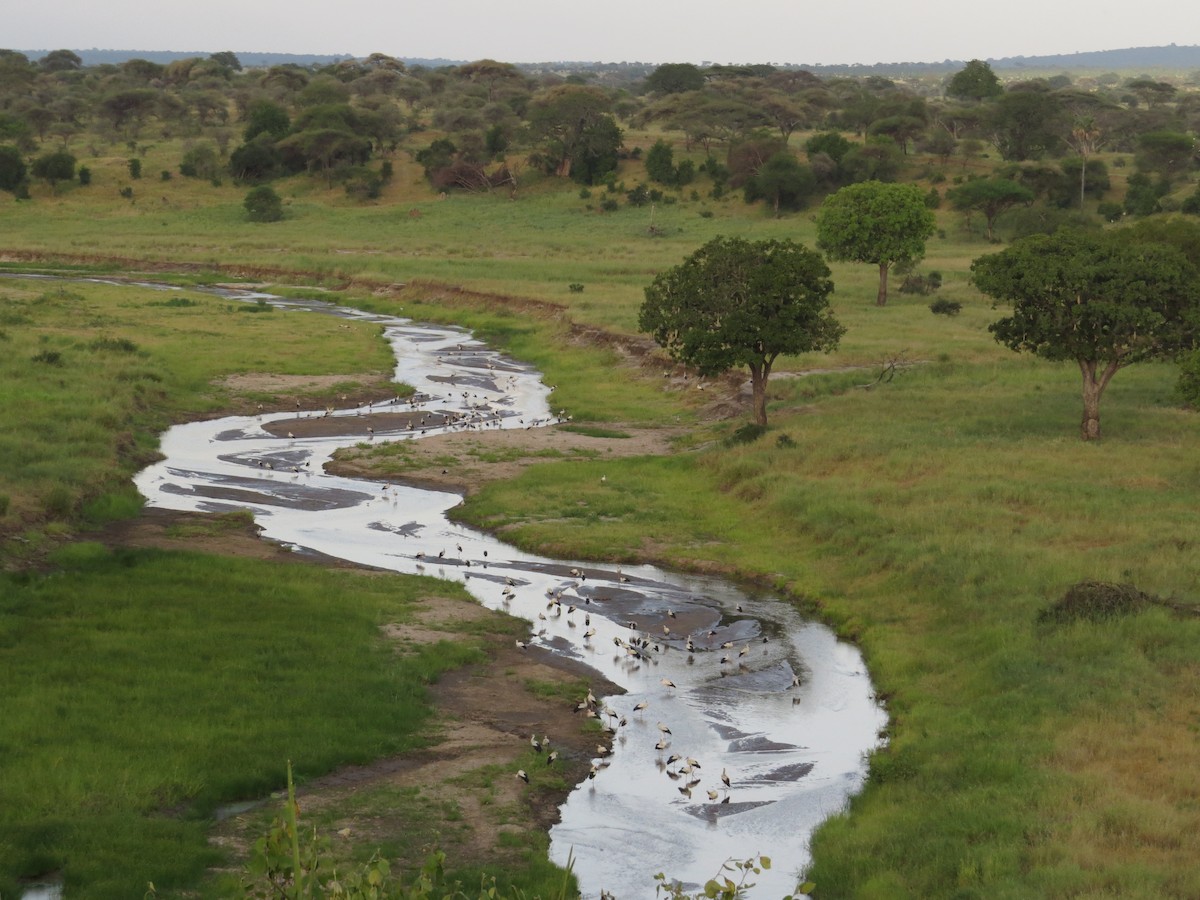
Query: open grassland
931,517
93,372
144,690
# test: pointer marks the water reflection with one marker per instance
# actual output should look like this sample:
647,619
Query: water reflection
718,683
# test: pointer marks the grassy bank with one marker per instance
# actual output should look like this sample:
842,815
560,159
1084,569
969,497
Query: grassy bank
93,373
146,689
933,519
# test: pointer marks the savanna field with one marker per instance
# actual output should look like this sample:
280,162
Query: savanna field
921,488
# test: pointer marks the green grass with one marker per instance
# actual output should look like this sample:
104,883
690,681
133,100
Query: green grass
933,518
94,372
145,689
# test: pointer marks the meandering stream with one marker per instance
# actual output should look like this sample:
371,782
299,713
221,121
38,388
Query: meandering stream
773,701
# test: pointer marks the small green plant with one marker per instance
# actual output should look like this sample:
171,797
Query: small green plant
49,357
944,306
575,287
84,175
747,434
785,442
723,885
165,175
127,192
135,167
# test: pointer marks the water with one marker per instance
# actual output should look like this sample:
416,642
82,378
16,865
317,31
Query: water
772,701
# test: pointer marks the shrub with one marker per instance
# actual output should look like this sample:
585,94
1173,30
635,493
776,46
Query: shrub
165,175
609,205
921,284
49,357
263,204
575,287
1109,211
943,306
639,196
127,192
135,167
85,176
747,434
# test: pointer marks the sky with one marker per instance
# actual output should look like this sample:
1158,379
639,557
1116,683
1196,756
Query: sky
652,31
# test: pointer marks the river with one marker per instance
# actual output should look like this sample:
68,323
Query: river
772,701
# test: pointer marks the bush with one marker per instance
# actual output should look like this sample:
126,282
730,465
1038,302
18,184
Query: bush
1109,211
575,287
1189,379
165,175
263,204
202,160
921,284
747,434
609,205
639,196
135,167
127,192
84,175
944,306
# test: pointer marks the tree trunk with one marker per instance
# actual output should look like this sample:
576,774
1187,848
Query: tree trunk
1093,389
759,372
881,297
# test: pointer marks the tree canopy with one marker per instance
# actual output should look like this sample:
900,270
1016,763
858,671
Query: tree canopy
975,81
878,223
1100,299
735,303
990,196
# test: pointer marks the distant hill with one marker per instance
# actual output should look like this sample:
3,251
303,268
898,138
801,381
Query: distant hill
1141,58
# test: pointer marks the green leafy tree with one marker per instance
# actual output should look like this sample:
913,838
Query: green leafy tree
60,61
975,81
266,116
53,168
878,223
572,125
990,196
263,204
783,182
660,163
1096,298
742,303
1166,153
879,159
12,168
1026,123
675,78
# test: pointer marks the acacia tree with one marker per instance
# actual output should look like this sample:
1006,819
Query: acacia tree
742,303
990,196
1100,299
877,223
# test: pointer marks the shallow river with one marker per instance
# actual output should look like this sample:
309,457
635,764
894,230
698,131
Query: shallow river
772,701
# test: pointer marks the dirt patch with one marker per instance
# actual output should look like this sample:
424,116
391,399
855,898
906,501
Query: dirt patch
466,461
465,786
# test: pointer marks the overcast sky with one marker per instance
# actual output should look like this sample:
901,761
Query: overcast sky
776,31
